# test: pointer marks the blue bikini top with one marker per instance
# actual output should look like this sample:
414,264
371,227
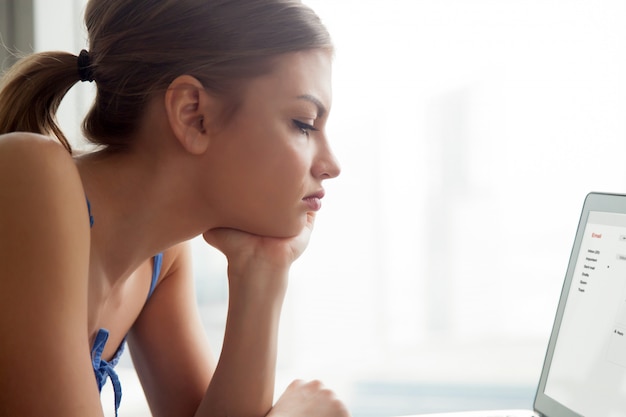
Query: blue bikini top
105,369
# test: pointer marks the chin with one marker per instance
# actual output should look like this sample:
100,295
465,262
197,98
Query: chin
280,232
278,229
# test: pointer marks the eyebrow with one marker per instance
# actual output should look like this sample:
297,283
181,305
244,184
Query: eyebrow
321,109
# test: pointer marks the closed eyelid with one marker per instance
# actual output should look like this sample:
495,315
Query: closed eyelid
303,125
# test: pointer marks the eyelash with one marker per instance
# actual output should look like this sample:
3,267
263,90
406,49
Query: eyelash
304,127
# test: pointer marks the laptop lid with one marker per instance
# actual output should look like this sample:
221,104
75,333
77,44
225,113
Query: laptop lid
584,372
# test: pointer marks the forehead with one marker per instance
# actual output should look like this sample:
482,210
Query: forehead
296,75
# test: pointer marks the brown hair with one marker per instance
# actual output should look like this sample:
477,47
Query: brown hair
137,48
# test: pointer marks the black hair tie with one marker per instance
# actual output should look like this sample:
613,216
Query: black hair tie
85,71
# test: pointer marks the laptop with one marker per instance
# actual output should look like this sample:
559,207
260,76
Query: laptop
584,371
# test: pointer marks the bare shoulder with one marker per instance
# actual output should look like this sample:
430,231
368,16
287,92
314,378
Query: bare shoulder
44,264
40,192
28,139
23,151
39,180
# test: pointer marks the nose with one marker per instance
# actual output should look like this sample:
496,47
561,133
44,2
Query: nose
326,165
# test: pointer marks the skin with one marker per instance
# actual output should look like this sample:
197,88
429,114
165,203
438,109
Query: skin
243,185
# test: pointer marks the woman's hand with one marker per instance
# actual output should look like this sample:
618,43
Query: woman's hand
258,269
308,399
250,254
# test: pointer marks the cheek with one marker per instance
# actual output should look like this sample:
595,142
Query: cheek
279,183
263,194
276,204
261,177
278,163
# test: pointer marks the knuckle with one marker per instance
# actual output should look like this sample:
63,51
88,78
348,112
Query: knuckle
296,384
316,384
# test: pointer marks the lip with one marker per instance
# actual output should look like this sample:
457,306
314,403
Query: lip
314,201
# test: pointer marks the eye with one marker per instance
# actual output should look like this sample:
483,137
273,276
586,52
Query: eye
305,128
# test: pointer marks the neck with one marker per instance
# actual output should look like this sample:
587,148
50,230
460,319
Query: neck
139,209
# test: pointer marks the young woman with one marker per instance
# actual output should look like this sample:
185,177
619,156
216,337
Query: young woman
209,119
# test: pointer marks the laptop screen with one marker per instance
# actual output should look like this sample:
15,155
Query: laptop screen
587,360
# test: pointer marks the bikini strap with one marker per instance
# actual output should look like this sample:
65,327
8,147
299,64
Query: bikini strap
89,210
157,261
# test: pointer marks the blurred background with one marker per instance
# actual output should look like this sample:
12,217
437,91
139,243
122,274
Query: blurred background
469,133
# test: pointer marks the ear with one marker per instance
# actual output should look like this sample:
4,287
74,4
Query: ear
189,110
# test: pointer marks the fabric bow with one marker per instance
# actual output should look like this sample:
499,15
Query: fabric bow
104,369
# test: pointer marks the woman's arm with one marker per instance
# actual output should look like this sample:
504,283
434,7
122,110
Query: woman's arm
171,353
258,269
168,344
243,383
170,350
44,261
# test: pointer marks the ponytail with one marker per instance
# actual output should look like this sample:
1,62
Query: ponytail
31,92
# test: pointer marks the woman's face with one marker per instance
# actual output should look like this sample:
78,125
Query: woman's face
268,163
